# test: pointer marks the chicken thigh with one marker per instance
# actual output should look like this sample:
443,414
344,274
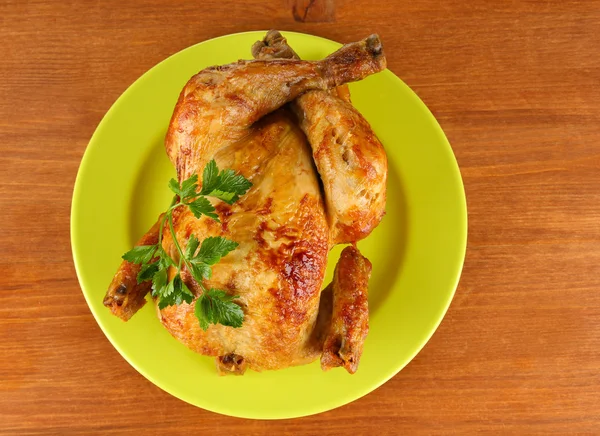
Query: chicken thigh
350,159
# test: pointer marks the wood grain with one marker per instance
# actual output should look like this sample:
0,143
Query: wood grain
516,87
313,11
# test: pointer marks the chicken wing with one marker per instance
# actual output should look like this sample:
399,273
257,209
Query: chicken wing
350,319
125,296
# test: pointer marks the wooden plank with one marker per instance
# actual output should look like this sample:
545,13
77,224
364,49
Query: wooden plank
515,85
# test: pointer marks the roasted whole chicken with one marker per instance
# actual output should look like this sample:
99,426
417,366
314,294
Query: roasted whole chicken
318,176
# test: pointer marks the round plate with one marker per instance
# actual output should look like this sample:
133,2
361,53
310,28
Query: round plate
417,252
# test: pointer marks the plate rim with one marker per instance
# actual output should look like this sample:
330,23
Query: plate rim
461,251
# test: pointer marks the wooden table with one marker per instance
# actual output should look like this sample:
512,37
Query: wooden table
516,87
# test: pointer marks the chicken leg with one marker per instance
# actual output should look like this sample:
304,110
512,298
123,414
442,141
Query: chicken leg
218,105
350,159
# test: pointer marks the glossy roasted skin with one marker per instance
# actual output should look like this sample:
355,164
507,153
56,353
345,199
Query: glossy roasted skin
280,223
125,296
350,319
349,157
351,162
218,106
343,321
278,268
234,114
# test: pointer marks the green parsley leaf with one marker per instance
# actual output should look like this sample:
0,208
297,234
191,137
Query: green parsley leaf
210,176
215,306
187,189
181,292
177,292
213,249
140,254
174,186
200,271
186,294
170,288
201,310
227,197
147,271
192,246
159,280
167,300
201,206
226,185
164,258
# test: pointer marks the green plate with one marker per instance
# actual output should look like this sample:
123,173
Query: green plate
417,252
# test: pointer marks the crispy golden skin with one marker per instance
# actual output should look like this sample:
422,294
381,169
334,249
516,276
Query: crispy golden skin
350,319
125,296
350,159
219,105
278,268
345,325
351,162
280,224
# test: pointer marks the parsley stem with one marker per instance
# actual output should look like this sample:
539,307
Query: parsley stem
160,230
173,204
181,254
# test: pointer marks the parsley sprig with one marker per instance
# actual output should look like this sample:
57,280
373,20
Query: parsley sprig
213,306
